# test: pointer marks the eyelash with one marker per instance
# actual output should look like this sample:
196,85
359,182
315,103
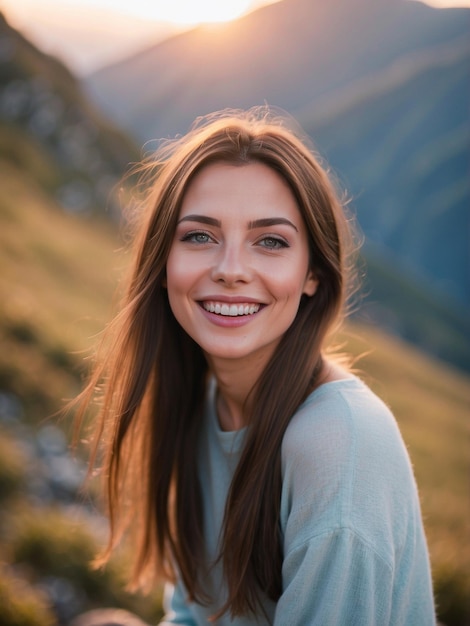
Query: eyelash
277,242
191,237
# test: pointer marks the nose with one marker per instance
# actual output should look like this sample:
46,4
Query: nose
231,265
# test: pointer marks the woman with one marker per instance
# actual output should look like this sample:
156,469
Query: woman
267,482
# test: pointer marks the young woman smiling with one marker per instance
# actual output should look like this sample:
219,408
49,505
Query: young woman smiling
266,482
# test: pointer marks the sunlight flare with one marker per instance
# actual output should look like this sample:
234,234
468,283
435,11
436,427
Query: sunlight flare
180,12
186,12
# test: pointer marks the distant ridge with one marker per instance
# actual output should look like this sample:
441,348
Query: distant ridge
402,147
287,54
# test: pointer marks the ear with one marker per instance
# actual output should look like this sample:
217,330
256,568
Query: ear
311,284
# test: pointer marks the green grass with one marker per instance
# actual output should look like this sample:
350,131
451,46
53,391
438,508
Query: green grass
58,276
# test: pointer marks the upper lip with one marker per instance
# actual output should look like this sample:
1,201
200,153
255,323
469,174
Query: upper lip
230,299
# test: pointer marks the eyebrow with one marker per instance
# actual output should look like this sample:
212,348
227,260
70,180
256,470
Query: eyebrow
271,221
202,219
261,223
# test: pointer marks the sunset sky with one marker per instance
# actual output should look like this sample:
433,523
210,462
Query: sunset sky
88,34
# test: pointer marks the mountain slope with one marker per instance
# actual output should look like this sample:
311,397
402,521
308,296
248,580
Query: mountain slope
49,127
59,159
403,142
58,275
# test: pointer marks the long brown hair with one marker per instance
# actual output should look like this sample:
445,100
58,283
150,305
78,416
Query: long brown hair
153,376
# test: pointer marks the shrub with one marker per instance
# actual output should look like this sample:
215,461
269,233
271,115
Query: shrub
452,591
22,331
12,468
59,549
55,545
21,604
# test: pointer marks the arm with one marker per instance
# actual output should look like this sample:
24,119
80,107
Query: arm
176,608
335,578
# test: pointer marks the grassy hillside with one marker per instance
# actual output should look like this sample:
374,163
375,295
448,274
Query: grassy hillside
46,291
58,274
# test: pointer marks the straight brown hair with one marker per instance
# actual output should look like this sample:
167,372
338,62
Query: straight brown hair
153,376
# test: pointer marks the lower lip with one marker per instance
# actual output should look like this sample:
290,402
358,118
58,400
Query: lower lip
229,321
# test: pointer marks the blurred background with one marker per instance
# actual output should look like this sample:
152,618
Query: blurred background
382,87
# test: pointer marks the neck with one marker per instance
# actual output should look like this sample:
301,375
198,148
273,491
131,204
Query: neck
234,383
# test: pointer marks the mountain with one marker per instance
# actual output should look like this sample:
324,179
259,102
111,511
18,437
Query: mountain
288,54
59,271
402,143
60,160
50,129
381,86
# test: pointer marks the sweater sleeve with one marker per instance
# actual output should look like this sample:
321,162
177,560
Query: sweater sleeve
335,578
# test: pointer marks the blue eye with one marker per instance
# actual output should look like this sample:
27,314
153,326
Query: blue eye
197,237
273,243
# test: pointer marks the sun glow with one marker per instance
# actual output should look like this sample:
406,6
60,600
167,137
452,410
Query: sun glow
189,12
180,12
89,34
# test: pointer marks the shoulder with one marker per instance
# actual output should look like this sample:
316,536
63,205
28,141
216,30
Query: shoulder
340,418
345,466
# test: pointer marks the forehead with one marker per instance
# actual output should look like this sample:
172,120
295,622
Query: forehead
248,187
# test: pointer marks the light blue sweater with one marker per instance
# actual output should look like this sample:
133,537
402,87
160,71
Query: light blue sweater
353,541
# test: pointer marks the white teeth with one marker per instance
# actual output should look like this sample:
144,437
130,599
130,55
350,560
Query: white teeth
231,310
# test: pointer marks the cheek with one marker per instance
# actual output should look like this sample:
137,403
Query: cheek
176,272
181,280
176,293
290,283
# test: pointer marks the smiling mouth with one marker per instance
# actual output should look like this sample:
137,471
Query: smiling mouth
231,310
